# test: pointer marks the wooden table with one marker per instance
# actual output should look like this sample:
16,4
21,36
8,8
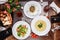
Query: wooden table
49,37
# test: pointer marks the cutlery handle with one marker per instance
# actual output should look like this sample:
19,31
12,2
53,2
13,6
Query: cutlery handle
5,33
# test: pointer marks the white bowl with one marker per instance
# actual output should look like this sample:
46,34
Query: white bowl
48,25
14,32
37,9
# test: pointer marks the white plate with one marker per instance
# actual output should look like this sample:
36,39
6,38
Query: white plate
47,27
14,32
3,1
37,9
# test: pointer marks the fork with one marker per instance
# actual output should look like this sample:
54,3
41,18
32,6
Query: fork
41,2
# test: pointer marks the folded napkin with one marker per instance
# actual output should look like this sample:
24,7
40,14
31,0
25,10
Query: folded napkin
55,7
3,1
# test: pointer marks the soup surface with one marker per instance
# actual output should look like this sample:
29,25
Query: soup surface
40,25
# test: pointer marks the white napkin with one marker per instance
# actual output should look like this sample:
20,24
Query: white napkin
3,1
55,7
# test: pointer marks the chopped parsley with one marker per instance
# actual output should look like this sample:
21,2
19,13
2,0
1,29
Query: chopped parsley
40,25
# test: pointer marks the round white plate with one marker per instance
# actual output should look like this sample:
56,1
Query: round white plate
3,1
47,27
37,9
14,32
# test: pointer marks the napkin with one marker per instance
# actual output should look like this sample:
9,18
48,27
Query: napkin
3,1
55,7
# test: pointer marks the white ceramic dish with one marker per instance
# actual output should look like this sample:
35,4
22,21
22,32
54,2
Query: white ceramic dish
14,32
3,1
27,9
47,27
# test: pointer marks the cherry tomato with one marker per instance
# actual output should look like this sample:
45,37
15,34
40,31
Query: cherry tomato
34,35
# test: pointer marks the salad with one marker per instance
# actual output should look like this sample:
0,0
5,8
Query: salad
21,30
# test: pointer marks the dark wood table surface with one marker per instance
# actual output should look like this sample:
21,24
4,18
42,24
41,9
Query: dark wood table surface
51,35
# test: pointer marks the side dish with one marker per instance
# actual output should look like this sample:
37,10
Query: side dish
21,30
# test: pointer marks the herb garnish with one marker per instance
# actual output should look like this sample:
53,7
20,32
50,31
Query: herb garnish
40,25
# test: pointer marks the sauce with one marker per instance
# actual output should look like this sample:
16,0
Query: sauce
32,9
19,14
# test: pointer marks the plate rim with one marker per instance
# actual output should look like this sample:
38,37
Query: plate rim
26,34
36,30
29,15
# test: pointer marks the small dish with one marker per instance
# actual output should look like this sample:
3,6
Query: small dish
32,9
15,33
